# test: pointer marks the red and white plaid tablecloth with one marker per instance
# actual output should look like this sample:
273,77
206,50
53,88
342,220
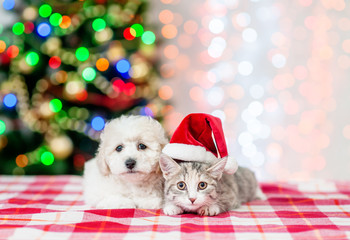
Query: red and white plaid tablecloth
52,207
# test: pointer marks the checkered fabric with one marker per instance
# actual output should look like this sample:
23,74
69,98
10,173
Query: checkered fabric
52,207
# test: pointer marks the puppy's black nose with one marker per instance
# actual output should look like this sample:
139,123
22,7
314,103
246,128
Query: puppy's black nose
130,163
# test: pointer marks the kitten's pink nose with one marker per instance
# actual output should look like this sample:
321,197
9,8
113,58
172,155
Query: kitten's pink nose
192,200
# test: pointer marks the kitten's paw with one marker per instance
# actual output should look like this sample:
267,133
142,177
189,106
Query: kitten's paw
209,211
172,210
115,203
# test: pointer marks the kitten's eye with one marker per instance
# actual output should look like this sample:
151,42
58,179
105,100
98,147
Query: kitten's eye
142,146
119,148
202,185
181,185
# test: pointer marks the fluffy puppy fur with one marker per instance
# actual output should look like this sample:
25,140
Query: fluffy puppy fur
125,172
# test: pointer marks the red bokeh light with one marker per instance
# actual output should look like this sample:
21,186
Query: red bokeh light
118,85
129,89
55,62
127,34
82,96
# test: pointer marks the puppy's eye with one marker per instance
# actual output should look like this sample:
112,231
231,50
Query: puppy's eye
142,146
181,185
202,185
119,148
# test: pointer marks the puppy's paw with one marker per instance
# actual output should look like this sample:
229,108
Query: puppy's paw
172,210
149,203
115,203
209,210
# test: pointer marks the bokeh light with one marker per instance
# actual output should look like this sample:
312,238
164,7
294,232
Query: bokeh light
2,127
18,28
123,66
118,85
249,35
146,111
98,123
47,158
216,26
129,89
128,34
45,10
66,22
102,64
165,92
169,31
55,19
8,4
44,29
55,105
148,37
171,51
10,100
28,27
22,160
55,62
12,51
98,24
245,68
32,58
2,46
82,54
89,74
138,30
166,16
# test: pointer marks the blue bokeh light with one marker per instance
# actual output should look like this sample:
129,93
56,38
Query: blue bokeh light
8,4
98,123
123,66
146,111
44,29
10,100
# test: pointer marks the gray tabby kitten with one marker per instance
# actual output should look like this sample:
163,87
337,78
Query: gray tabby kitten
204,188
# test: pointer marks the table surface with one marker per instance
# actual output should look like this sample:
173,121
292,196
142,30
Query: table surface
52,207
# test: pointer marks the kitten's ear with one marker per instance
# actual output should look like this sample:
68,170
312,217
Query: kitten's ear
168,166
217,169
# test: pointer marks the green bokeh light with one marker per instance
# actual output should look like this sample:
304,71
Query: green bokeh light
55,105
47,158
89,74
82,54
2,127
55,19
18,28
98,24
45,10
32,58
148,37
138,29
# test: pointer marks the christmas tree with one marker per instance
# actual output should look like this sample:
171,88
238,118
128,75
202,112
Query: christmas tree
67,67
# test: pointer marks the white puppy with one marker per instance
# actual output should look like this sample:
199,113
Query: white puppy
125,172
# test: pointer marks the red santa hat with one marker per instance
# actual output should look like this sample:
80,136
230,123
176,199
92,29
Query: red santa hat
200,137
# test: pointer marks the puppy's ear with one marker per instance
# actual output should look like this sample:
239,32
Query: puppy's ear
168,166
101,157
101,162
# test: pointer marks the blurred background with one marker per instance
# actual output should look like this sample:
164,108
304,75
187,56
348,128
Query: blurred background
275,72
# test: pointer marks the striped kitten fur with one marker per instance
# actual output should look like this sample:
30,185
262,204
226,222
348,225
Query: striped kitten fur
204,189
